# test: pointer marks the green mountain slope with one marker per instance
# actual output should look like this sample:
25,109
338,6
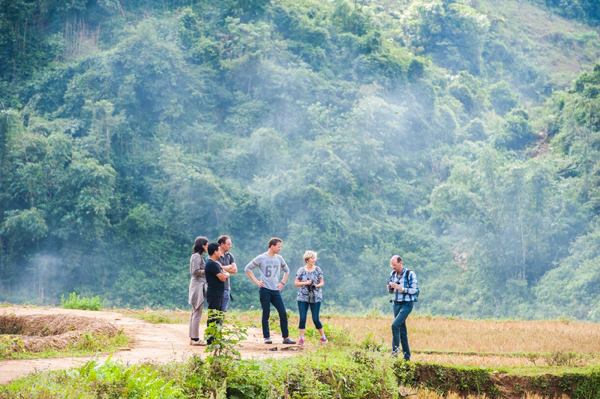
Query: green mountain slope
448,132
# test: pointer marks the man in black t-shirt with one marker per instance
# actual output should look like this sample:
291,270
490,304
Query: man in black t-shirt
215,279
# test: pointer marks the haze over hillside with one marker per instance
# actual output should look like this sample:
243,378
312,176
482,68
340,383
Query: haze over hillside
463,135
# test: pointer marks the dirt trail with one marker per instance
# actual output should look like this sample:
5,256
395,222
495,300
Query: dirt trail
161,343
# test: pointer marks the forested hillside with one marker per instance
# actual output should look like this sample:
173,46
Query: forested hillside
463,135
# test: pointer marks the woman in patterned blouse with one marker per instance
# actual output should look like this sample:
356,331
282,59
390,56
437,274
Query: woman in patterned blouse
310,281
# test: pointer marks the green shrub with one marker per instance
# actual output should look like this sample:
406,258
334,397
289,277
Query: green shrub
94,342
80,302
225,340
9,345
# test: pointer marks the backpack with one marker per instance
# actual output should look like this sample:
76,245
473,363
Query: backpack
418,290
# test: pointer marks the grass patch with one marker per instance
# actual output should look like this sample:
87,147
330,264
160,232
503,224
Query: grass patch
80,302
95,380
316,375
87,344
160,316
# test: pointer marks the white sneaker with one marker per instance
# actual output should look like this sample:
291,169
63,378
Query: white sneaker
197,343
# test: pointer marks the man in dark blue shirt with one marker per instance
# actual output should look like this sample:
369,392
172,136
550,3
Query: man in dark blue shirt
215,279
227,262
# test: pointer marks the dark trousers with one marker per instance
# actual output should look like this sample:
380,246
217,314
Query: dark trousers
214,303
399,333
314,310
268,297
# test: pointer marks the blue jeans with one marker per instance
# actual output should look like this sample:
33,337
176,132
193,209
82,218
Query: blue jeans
399,333
226,298
268,297
314,310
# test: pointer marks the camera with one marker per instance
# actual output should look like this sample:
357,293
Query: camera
390,290
311,287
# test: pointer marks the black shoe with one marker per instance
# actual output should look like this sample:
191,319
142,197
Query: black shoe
268,340
288,341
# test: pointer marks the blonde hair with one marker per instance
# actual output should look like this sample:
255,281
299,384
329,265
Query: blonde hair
310,255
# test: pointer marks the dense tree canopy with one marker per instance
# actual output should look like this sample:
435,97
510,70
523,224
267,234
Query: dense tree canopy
355,129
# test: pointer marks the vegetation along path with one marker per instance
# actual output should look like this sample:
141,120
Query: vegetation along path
149,343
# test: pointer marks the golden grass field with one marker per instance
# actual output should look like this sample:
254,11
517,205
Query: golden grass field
444,334
486,343
452,341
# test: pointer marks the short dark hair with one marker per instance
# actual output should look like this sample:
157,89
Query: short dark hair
274,241
212,248
223,239
398,258
199,245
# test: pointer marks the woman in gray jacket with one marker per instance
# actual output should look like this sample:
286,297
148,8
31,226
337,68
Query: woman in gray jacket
197,289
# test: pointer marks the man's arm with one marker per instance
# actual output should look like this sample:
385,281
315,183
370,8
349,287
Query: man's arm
231,269
223,276
282,282
248,269
412,286
392,284
286,273
254,279
397,286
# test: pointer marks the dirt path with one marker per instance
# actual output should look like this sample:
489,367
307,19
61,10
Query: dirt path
161,343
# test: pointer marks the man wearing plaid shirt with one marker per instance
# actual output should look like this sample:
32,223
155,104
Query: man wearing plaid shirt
403,284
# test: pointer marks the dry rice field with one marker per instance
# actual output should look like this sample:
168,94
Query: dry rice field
486,343
483,343
453,341
443,334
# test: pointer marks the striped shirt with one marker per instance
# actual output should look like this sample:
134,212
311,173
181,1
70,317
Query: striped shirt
409,282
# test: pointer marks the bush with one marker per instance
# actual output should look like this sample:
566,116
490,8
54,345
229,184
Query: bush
9,345
502,98
80,302
517,132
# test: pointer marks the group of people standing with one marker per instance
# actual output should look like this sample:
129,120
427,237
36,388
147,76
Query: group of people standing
210,282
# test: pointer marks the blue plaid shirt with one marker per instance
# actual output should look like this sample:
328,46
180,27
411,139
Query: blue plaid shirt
409,282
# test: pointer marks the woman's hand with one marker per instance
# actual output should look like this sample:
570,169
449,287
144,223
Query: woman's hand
309,282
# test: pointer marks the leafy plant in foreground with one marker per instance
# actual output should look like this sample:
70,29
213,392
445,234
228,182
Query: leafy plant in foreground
225,340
